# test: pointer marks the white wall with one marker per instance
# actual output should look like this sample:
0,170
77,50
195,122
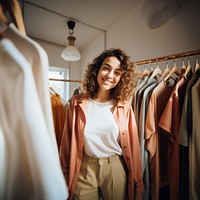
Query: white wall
180,34
91,51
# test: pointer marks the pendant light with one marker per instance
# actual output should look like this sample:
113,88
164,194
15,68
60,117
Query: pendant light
71,53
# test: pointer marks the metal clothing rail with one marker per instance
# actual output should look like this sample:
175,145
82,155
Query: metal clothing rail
65,80
169,57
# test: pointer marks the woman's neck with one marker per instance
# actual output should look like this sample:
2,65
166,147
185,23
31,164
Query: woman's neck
102,96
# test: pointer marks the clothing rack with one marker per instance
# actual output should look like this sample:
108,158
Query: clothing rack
169,57
65,80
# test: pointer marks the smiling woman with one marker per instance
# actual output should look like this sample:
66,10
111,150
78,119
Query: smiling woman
116,65
108,77
100,152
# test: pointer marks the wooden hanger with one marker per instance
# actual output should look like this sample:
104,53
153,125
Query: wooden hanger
156,72
13,8
3,18
146,72
3,22
174,70
183,69
188,70
52,91
197,68
166,71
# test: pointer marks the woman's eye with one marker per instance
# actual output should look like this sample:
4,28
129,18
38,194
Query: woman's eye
117,73
105,68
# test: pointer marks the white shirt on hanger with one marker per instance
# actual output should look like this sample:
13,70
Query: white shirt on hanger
29,168
38,60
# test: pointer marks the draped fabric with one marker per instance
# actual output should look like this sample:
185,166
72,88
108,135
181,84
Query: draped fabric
29,160
58,116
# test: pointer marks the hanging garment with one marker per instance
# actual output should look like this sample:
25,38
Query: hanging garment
149,82
186,117
155,143
142,124
58,117
30,168
184,133
170,122
194,149
135,99
2,162
38,60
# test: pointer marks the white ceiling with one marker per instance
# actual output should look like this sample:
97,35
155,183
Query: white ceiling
47,19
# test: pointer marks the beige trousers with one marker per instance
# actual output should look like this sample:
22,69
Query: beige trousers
102,178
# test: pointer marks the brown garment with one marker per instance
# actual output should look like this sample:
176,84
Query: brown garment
156,141
170,122
58,117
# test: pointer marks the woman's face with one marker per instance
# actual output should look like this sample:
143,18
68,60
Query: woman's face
109,73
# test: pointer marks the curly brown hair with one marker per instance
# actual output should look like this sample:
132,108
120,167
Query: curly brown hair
127,83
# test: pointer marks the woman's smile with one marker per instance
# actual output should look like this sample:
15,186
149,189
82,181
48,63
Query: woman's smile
109,74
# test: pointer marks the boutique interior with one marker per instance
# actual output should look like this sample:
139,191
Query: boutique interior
162,37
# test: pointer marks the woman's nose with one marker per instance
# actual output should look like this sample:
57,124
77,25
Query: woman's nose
110,74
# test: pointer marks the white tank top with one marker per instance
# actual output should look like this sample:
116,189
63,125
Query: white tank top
101,130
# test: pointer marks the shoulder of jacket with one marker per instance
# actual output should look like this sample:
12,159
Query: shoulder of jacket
125,104
78,98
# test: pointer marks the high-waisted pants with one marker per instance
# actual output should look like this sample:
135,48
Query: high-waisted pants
102,179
